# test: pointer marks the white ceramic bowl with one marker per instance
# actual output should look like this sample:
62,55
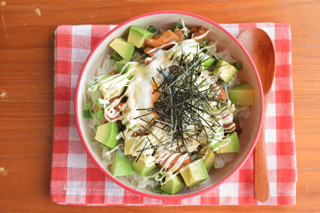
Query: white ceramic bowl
164,19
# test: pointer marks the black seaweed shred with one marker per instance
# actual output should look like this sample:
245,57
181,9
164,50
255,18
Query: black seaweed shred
182,102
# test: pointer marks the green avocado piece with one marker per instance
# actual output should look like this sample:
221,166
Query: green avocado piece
107,133
142,167
121,165
208,158
137,36
173,185
194,173
215,145
116,57
207,63
241,94
134,144
216,139
121,64
225,71
229,144
128,145
123,48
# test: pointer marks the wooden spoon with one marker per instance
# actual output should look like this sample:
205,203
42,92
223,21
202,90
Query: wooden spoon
260,47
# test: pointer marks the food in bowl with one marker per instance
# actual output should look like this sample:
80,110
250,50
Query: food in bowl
164,107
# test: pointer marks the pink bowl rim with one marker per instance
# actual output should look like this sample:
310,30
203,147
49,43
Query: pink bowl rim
163,197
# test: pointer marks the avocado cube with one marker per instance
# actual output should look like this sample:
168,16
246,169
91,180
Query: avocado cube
208,158
121,64
229,144
123,48
225,71
107,133
194,173
242,94
173,184
207,63
215,146
137,36
129,145
142,167
121,165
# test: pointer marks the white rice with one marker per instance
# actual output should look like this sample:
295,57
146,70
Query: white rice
135,56
141,182
226,55
244,112
90,94
222,159
107,66
213,48
91,123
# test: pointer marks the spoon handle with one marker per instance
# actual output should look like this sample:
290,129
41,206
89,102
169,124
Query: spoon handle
261,179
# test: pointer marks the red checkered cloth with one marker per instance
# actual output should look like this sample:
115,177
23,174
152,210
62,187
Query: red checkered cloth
75,179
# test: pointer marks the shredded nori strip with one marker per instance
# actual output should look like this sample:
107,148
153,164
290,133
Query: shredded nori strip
182,103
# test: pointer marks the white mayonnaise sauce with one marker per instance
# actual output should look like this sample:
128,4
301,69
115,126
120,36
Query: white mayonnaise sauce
165,154
202,35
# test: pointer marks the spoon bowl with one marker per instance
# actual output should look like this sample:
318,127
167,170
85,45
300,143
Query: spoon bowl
260,47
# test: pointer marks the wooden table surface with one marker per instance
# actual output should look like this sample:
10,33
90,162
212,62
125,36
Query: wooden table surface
26,89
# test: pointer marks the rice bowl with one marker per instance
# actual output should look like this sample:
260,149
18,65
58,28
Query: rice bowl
227,48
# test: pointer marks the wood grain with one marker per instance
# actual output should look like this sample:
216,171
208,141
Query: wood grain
26,76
